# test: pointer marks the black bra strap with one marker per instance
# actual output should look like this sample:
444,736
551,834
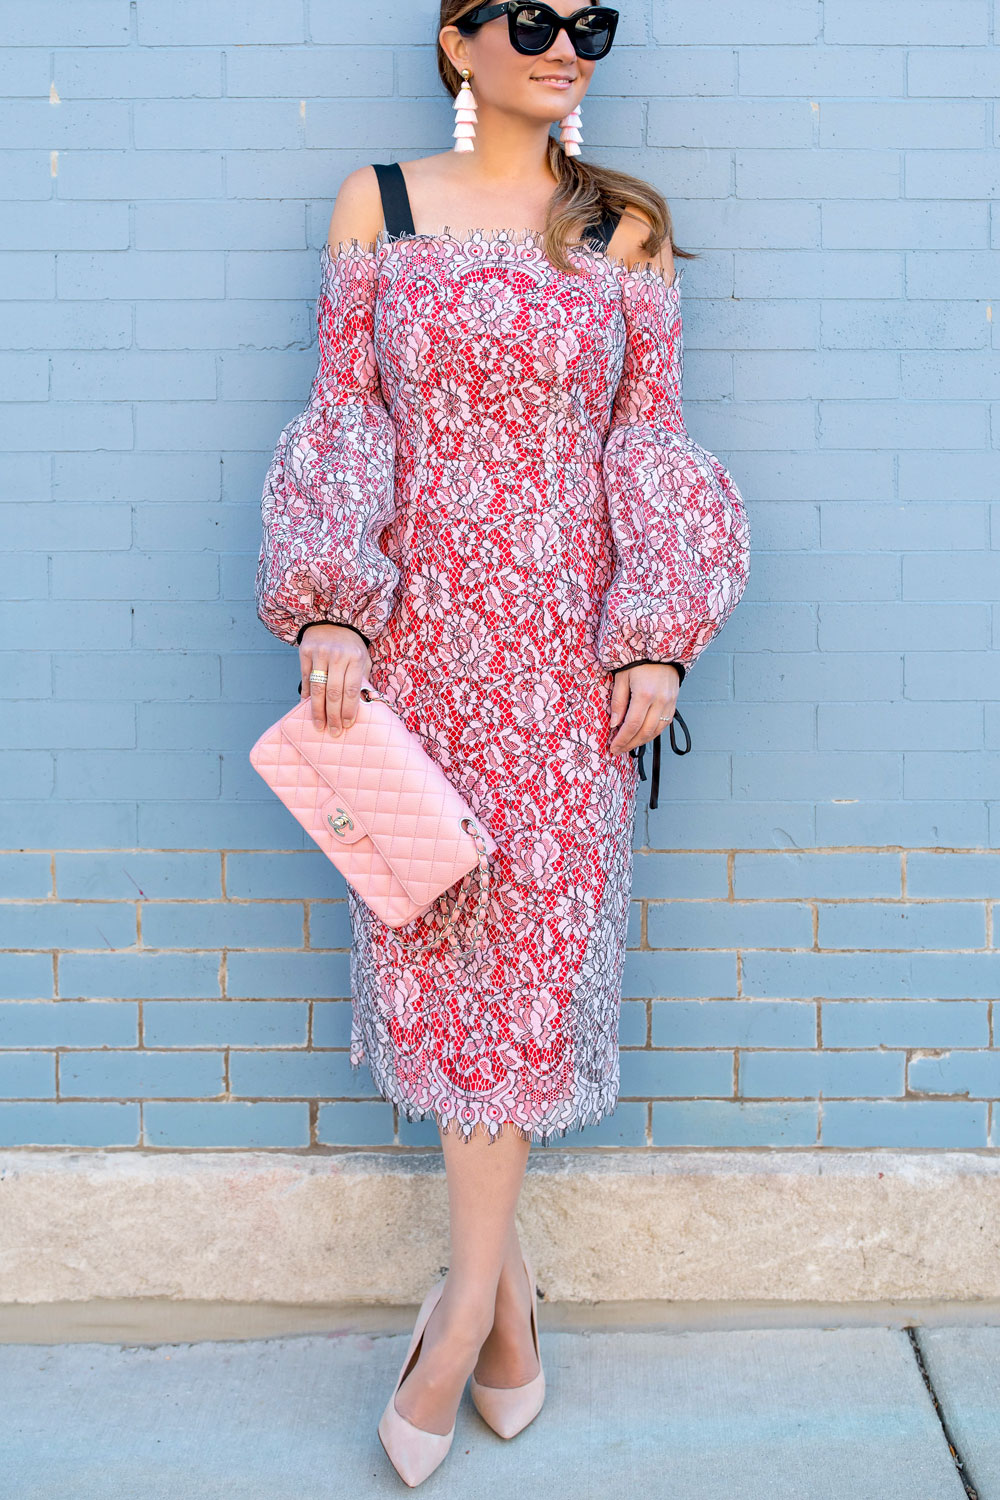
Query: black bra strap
600,234
398,215
395,198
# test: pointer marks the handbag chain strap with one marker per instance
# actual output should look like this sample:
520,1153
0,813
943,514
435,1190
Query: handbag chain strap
484,889
482,868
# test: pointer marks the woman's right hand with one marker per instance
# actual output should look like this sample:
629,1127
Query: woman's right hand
344,657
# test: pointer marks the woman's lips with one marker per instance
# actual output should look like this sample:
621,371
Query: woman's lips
556,83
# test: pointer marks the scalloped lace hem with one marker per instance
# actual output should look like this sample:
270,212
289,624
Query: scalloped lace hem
530,239
467,1130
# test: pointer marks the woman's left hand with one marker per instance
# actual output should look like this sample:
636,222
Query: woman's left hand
644,698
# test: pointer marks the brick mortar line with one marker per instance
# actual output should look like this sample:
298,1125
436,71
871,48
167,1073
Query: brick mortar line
814,1148
223,899
771,853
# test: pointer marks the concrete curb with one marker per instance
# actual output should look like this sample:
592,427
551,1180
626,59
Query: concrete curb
371,1227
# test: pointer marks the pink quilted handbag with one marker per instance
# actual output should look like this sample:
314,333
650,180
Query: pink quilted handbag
380,809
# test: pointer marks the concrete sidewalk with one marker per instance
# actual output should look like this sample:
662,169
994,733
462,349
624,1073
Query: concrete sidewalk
759,1414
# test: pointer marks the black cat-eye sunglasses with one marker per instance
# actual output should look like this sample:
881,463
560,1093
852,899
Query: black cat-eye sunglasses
533,27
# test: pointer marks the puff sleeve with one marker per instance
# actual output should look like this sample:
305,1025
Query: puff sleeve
329,492
680,528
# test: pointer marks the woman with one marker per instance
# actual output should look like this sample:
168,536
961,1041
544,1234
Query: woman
491,509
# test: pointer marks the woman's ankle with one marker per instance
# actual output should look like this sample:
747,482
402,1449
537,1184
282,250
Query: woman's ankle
465,1320
513,1289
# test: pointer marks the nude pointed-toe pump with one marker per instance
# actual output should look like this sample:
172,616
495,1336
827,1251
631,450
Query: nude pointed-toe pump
413,1452
507,1409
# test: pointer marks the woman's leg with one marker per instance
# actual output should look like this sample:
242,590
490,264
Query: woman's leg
508,1356
484,1181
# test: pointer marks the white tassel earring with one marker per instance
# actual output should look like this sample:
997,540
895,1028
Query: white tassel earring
465,115
571,134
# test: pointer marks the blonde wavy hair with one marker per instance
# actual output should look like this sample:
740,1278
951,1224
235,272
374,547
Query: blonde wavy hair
585,193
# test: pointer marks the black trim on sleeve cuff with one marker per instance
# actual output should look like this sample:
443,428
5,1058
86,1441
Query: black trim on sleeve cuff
649,661
305,627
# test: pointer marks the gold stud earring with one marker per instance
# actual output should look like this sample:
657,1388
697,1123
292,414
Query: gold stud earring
465,115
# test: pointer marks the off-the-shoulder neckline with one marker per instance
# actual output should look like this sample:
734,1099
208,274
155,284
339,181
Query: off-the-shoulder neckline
524,239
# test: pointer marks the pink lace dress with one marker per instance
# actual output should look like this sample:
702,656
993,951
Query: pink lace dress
492,481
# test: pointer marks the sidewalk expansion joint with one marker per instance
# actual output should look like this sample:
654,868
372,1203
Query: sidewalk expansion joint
971,1492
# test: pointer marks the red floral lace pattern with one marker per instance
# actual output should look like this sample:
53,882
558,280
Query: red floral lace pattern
488,483
680,525
329,489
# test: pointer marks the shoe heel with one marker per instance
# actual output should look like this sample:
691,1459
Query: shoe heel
413,1452
509,1409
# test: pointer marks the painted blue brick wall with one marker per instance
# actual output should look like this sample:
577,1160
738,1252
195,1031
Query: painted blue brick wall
814,955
